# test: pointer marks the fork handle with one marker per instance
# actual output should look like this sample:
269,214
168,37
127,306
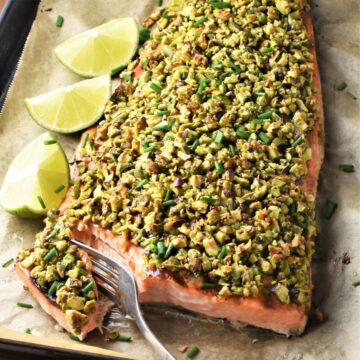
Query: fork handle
151,338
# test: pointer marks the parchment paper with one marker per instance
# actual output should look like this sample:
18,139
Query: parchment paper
338,35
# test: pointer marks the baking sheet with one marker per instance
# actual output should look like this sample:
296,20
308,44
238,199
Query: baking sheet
338,29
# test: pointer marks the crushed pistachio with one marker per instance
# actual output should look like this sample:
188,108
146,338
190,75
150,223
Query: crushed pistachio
224,103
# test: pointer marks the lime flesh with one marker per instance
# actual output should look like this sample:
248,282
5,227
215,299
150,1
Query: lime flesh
101,50
38,176
71,108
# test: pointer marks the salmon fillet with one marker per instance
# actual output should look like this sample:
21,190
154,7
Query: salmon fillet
181,288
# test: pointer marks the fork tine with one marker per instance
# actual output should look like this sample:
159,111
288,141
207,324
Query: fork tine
106,269
105,259
105,279
108,293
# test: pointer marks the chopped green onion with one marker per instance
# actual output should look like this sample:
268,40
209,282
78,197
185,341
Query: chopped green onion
144,35
54,286
158,2
50,254
207,285
163,112
195,144
160,248
27,331
50,142
202,85
145,144
223,252
86,137
88,287
342,86
219,138
330,208
297,141
169,250
59,188
59,21
54,233
124,338
41,201
165,127
267,50
23,305
264,138
127,77
261,76
258,121
117,69
218,167
260,93
7,263
351,95
347,168
73,337
113,158
71,182
191,353
141,184
219,4
167,195
232,150
356,283
241,134
157,88
150,148
235,67
265,115
155,104
224,75
217,66
199,21
208,199
165,15
168,203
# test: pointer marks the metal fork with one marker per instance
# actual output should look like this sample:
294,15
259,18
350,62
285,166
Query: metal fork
118,283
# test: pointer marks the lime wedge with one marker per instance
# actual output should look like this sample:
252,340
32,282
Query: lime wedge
101,50
72,108
37,179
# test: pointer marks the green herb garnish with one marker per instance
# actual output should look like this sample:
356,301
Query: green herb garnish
50,254
7,263
59,188
141,184
41,202
199,21
349,168
157,88
329,209
59,21
342,86
191,353
23,305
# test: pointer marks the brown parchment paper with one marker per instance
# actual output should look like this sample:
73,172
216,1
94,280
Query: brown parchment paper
338,34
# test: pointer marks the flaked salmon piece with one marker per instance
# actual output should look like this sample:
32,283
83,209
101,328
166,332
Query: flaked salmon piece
95,319
183,290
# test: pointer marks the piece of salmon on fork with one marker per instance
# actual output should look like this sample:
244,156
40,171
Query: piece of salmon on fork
202,177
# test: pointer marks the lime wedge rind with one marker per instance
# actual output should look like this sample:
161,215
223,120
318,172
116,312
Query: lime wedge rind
18,194
57,111
85,61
